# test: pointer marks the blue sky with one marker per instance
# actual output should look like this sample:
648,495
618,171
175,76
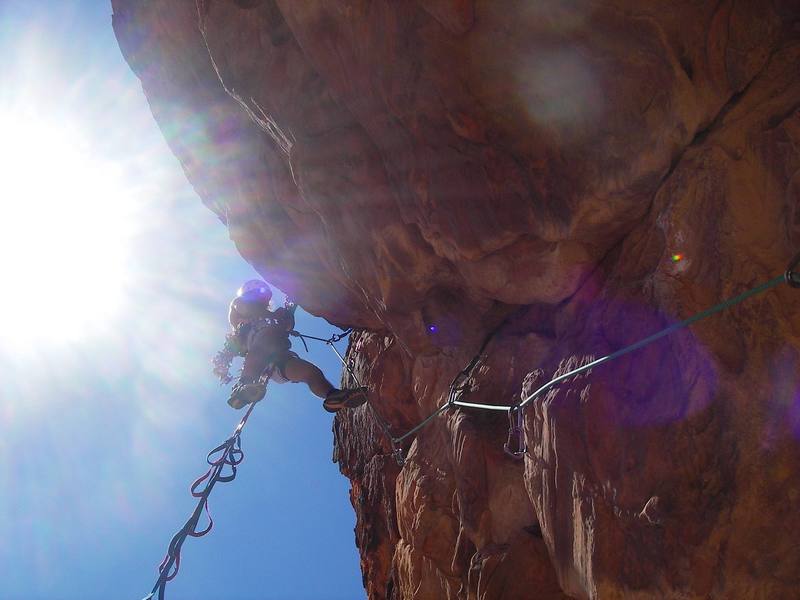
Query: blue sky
106,414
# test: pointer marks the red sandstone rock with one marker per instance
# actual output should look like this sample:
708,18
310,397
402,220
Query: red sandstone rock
526,168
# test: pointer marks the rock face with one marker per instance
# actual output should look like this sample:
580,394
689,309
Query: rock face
437,173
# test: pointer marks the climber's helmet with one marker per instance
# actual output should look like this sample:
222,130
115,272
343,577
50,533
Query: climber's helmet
255,290
251,302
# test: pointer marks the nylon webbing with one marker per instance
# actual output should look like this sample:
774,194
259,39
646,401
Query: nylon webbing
229,454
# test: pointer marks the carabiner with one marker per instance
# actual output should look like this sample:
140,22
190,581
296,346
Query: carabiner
398,456
515,445
792,278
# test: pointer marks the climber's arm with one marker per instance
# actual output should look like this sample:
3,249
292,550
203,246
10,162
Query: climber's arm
285,316
222,360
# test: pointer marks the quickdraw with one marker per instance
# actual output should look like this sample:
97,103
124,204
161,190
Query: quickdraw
792,278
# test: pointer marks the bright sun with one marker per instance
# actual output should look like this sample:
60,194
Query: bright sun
65,232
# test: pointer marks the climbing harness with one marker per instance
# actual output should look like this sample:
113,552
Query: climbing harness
230,454
237,341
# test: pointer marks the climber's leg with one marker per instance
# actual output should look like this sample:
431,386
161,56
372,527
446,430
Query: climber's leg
298,370
336,400
249,389
256,360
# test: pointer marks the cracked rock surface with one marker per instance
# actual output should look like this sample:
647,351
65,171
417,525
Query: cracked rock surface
568,176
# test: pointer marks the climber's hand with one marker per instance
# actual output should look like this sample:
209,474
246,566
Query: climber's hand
222,364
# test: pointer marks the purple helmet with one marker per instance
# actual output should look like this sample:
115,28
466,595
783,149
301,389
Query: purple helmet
255,289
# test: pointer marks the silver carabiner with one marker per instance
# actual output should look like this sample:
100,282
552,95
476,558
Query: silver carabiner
398,456
792,277
515,445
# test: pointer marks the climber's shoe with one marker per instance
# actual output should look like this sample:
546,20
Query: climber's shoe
336,400
243,394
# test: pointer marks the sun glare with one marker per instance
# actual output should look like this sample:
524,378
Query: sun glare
65,232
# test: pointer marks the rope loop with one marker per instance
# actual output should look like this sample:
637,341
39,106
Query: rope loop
337,337
199,481
193,531
302,338
222,450
227,478
176,565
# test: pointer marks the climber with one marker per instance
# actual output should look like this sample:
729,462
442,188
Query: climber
261,336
